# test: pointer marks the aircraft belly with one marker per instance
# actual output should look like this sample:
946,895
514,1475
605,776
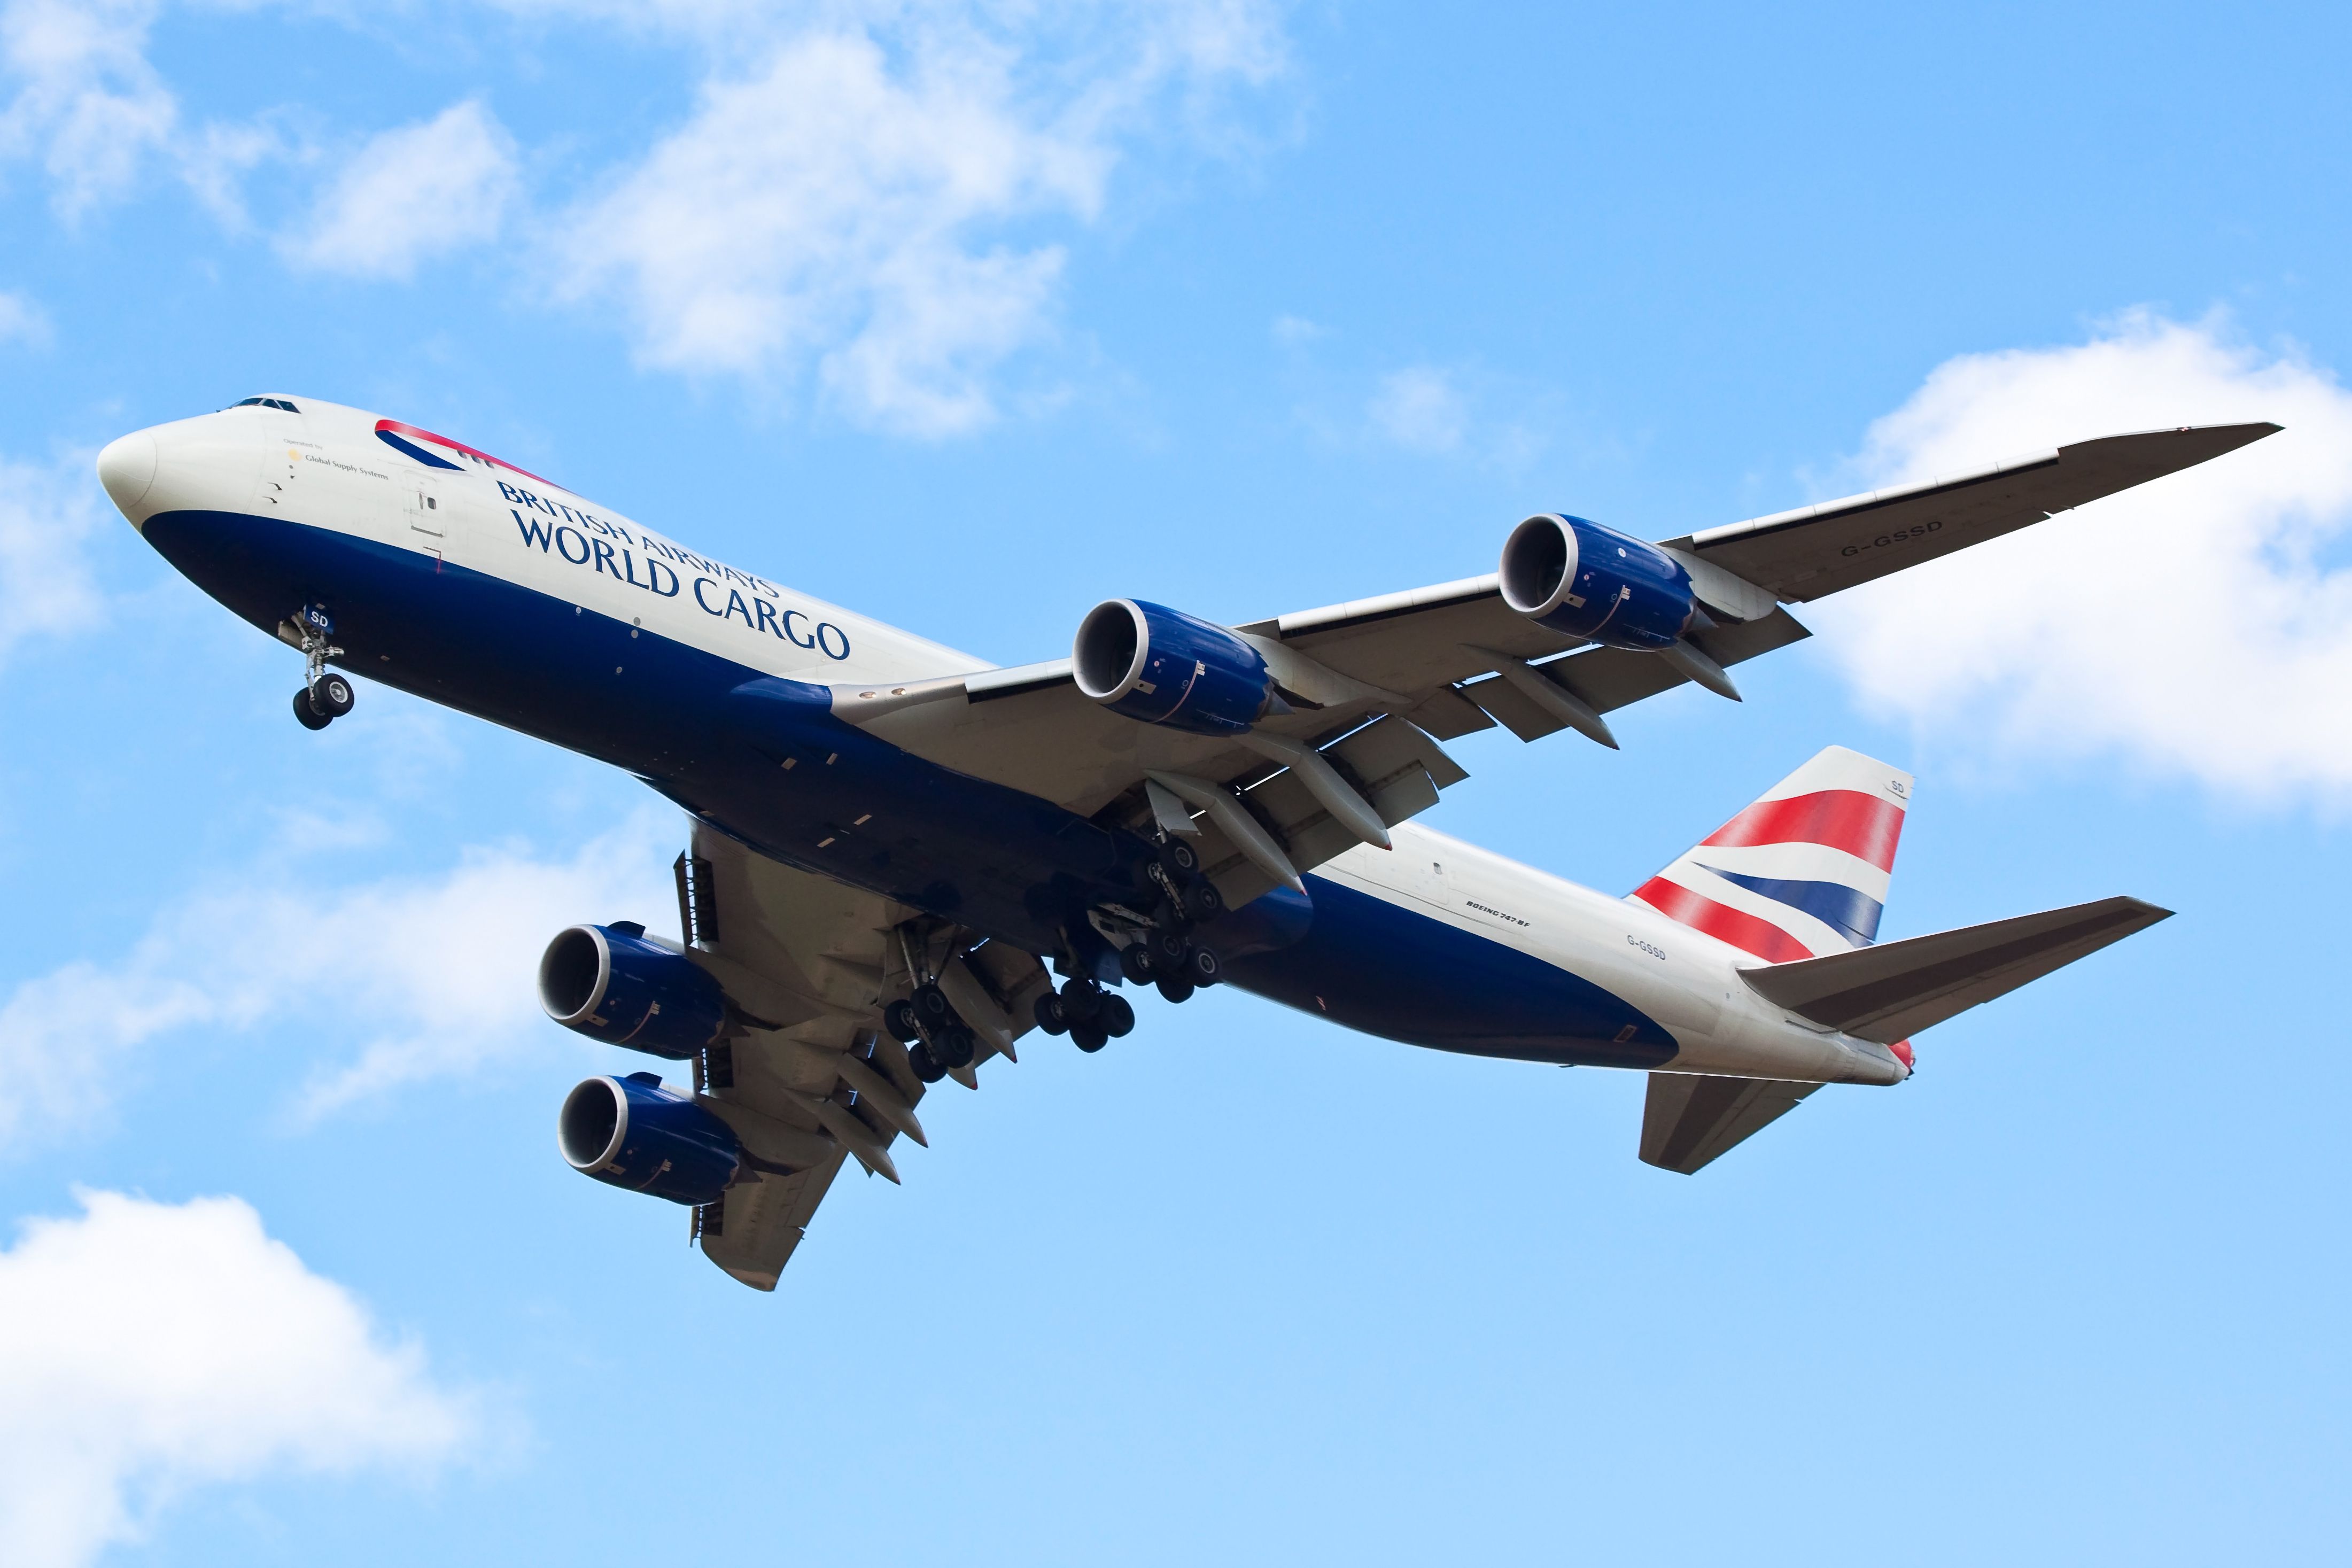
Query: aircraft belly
1386,969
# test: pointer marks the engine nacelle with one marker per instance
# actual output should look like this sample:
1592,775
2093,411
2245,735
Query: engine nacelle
1591,582
1164,666
632,1132
611,985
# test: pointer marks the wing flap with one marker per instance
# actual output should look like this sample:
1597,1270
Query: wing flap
1396,766
1609,677
1898,988
1689,1120
811,1080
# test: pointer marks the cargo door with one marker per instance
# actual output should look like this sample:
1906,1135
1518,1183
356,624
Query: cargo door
421,507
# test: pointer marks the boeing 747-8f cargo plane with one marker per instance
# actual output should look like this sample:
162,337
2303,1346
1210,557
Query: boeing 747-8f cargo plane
895,848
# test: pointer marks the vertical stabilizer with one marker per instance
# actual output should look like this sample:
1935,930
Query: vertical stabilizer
1802,873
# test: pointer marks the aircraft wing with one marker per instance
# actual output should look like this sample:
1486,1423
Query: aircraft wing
1816,551
1448,660
821,1083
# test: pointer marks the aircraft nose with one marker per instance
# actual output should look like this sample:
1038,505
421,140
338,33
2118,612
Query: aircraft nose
127,469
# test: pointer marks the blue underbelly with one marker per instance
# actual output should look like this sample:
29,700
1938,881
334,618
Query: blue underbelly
1388,970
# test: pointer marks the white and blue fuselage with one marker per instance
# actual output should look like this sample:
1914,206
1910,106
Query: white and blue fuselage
460,579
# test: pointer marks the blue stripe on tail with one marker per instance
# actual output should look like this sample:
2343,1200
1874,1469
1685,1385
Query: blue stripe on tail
1832,903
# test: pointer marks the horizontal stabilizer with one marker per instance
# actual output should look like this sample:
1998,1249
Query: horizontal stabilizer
1689,1120
1898,988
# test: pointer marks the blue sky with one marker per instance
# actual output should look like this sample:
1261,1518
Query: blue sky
969,316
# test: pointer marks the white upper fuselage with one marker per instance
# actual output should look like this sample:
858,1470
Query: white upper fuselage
326,466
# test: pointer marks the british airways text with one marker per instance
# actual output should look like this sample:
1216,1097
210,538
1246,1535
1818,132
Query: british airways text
583,539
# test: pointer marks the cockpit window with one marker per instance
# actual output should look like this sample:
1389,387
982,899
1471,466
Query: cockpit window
265,403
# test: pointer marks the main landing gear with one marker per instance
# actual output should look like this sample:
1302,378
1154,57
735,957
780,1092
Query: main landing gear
1090,1015
936,1038
1169,955
325,696
1165,954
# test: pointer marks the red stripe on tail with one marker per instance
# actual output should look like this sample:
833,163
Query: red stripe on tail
1862,824
1721,921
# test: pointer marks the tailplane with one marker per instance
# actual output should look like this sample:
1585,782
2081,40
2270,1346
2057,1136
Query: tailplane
1905,987
1800,879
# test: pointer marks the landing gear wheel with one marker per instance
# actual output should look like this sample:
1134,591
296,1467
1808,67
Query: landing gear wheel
332,696
1168,949
1088,1038
918,1057
932,1009
1179,858
954,1047
1135,965
898,1017
310,718
1202,903
1118,1018
1203,967
1176,990
1081,1001
1049,1014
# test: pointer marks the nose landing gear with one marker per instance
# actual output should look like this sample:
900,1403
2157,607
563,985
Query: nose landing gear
325,696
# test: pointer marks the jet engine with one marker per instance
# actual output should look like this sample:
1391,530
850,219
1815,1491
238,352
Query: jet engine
613,984
1164,666
1591,582
634,1134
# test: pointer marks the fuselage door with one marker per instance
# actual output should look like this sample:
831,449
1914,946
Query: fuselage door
428,525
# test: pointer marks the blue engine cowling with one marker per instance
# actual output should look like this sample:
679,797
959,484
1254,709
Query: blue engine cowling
1591,582
611,985
1164,666
632,1132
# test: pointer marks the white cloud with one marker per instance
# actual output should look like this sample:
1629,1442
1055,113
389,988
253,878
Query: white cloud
23,321
419,191
91,109
1295,331
48,515
1420,409
2200,626
1463,414
871,204
435,975
155,1347
87,104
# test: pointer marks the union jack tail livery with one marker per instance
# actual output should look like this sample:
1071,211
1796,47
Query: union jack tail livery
1800,873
